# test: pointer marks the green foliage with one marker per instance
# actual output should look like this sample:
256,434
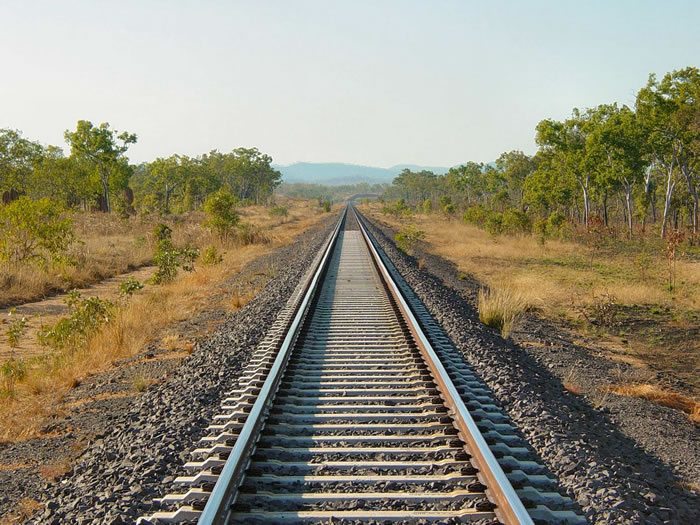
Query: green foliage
427,206
515,222
494,223
476,215
222,216
397,209
407,237
35,231
211,256
17,328
103,149
279,211
86,317
325,204
168,258
129,286
11,371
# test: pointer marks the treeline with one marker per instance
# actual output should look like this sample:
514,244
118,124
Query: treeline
609,165
97,175
334,193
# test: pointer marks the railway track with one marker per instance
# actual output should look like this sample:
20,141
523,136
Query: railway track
358,409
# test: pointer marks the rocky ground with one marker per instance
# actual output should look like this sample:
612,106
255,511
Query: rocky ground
105,458
624,460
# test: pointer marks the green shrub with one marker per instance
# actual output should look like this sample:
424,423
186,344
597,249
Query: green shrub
476,215
11,371
222,216
325,204
35,230
17,328
211,256
129,286
449,208
407,237
494,223
86,316
168,258
427,206
398,209
515,222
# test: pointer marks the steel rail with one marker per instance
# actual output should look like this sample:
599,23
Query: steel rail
509,508
218,507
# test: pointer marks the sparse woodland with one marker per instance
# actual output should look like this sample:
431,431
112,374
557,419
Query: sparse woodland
625,170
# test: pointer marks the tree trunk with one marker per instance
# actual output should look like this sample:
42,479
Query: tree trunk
104,178
670,185
605,208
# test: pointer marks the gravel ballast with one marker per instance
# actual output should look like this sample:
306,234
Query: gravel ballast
615,478
120,473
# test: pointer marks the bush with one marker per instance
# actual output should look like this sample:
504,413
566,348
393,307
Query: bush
494,223
211,256
222,216
427,206
449,209
35,231
398,209
17,328
129,286
86,316
476,215
11,371
515,222
168,258
325,204
407,238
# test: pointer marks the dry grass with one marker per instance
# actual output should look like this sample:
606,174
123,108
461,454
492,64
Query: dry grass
140,382
143,319
109,246
500,308
53,471
26,508
549,276
571,382
661,396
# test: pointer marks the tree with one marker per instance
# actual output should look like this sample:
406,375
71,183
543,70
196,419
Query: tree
35,231
222,216
104,149
17,158
565,142
614,153
165,177
667,111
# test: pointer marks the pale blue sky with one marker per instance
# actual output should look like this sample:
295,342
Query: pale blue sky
367,82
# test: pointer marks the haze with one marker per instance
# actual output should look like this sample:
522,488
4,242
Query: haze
377,83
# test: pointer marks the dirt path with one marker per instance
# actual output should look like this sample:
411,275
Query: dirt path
48,311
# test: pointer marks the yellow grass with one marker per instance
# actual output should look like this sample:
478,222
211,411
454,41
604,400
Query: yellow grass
500,308
661,396
550,277
144,319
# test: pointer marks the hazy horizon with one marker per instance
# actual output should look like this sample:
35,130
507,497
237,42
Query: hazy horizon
366,83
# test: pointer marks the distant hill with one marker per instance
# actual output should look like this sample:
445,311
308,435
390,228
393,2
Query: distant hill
337,173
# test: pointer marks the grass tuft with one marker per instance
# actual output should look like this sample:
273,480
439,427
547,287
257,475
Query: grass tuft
660,396
500,308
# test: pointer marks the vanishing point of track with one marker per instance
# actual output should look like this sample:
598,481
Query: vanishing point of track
356,410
